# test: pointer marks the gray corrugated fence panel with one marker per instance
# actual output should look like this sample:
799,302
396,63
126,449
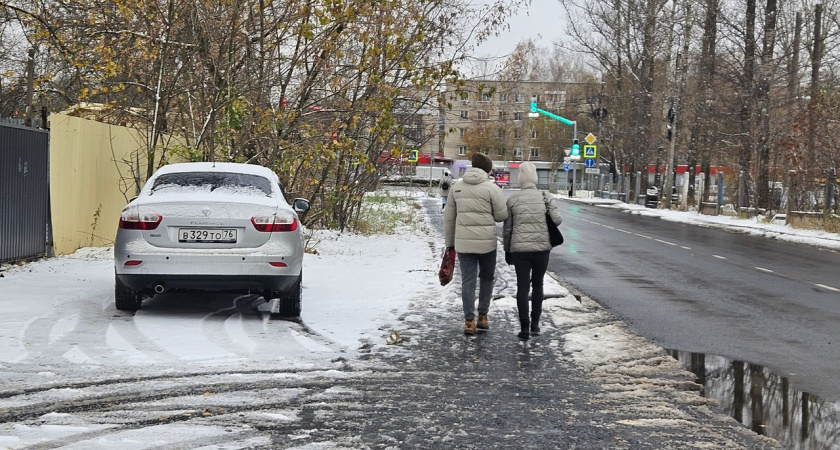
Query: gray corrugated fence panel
24,192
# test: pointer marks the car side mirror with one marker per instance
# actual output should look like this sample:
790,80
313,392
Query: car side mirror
301,205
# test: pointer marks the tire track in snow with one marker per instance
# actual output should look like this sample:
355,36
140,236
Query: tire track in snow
55,339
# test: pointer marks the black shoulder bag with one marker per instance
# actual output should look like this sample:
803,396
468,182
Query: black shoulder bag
554,234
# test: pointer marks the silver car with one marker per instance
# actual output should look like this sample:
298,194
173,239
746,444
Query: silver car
211,226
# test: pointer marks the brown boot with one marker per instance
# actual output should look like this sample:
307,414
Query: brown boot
469,327
483,324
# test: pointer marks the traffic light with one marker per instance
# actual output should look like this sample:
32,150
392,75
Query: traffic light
575,148
533,105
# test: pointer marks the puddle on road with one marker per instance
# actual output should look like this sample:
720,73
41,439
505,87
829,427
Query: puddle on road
765,402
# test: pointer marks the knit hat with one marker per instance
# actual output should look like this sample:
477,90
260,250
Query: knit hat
527,173
482,161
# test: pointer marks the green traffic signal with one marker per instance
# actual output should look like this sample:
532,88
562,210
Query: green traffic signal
575,148
533,107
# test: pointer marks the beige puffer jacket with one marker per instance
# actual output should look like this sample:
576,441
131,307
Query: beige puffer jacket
474,206
525,229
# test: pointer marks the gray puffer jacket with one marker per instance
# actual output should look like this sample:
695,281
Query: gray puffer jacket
474,206
525,229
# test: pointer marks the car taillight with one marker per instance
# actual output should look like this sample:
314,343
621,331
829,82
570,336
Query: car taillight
275,223
132,220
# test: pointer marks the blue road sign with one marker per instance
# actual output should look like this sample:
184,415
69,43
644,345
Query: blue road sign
589,151
566,167
589,162
413,156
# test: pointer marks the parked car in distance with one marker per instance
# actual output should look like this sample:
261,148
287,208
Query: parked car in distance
214,227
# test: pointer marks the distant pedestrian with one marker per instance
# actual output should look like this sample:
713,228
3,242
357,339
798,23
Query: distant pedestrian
445,185
474,206
526,245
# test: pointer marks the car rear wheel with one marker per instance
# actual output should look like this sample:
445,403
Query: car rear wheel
289,303
125,298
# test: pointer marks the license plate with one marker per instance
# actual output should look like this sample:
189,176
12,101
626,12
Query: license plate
208,236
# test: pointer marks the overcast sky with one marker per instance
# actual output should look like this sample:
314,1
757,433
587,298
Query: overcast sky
543,20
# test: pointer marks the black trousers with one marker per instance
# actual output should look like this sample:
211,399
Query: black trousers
530,271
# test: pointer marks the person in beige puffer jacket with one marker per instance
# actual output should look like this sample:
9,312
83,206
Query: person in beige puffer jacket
526,244
474,206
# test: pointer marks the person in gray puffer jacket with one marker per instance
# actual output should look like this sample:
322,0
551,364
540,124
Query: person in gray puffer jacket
474,206
527,246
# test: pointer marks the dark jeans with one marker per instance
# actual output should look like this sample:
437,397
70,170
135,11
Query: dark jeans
482,265
530,271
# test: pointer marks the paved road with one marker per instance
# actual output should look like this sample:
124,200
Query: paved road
711,291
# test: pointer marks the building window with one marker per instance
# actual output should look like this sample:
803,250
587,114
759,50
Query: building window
503,98
533,134
518,98
500,151
484,98
558,97
483,115
502,133
517,152
465,114
461,131
535,152
502,115
462,150
517,133
486,151
517,115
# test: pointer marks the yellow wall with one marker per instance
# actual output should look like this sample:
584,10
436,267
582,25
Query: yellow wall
89,172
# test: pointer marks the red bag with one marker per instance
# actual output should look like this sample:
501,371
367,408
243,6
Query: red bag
447,266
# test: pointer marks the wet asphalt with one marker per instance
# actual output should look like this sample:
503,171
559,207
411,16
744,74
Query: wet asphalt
442,389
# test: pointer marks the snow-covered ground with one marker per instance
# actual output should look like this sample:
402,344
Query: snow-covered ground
58,326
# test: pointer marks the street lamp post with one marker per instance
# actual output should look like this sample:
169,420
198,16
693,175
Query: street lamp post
535,112
672,118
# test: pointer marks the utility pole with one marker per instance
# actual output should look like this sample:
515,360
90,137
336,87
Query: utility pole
672,118
599,117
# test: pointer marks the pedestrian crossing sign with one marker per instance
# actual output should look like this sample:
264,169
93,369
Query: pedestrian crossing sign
589,151
413,156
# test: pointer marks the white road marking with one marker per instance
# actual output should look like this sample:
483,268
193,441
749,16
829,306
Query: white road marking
763,269
642,235
719,257
684,247
624,231
830,288
664,242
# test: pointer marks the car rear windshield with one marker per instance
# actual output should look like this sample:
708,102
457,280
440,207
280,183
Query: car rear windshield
227,182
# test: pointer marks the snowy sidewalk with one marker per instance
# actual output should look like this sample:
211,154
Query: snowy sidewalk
585,371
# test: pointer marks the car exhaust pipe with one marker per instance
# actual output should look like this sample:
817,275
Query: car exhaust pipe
160,288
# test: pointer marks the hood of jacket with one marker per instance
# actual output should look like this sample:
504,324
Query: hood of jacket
474,175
